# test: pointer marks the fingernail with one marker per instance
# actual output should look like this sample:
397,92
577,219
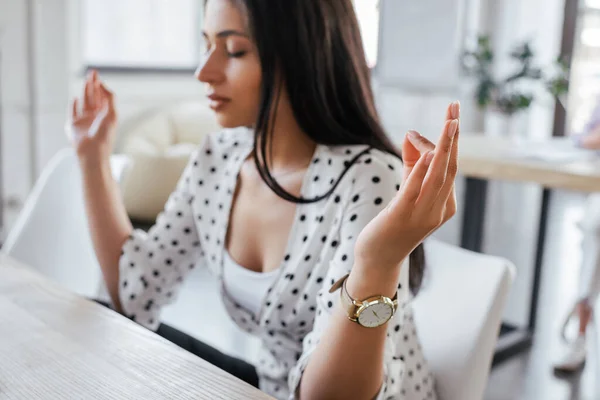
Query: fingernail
452,128
414,134
456,109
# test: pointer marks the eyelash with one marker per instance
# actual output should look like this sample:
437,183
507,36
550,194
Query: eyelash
237,55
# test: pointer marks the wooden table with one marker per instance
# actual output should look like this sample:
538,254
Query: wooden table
484,158
56,345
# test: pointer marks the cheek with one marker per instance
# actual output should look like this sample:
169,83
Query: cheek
245,81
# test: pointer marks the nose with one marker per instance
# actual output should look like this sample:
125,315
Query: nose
210,69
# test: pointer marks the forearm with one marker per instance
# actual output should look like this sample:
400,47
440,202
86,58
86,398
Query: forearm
108,221
348,361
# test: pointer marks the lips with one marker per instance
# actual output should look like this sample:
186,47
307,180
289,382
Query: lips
217,102
216,97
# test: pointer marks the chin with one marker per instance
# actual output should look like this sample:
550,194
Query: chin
229,121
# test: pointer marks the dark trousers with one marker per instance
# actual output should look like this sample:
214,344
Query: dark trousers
232,365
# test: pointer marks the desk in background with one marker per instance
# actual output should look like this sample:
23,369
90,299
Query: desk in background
553,164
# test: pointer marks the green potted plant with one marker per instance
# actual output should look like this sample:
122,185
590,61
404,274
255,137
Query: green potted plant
512,95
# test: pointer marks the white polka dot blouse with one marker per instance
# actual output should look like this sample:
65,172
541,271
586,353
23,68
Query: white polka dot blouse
191,232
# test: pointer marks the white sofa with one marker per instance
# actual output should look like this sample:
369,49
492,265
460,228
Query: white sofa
159,143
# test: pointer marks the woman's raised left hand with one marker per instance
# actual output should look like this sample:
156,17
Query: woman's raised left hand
425,201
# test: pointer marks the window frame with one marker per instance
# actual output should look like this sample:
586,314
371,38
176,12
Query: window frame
117,68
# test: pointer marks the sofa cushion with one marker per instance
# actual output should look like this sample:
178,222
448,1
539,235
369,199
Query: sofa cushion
159,147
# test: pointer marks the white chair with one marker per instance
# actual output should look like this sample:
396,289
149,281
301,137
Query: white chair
458,314
51,233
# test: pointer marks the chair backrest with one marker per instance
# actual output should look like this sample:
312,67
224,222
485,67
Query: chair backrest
458,315
51,233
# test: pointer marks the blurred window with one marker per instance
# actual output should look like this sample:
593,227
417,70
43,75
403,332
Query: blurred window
584,92
165,34
155,34
367,12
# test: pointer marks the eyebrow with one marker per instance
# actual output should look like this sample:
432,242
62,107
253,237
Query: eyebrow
226,33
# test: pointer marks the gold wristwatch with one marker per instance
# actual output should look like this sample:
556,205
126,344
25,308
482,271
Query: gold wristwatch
371,312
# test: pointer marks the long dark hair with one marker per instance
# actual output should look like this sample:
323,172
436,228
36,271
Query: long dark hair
315,48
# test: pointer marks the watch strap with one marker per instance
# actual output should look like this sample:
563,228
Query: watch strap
351,305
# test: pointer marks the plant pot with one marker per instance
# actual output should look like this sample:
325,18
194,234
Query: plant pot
511,126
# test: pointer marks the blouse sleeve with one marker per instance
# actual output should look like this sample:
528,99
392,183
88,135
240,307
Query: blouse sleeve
374,188
153,265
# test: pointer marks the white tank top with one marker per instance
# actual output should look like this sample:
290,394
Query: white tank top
246,287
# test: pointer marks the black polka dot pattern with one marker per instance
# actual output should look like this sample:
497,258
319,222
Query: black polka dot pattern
297,307
370,193
155,264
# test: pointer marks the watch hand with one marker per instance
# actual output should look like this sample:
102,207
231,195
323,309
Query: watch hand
375,314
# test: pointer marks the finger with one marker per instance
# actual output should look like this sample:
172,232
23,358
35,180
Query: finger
420,142
435,179
93,93
109,97
411,188
410,156
108,113
72,116
87,95
453,111
97,92
450,206
451,170
98,96
74,109
79,127
84,121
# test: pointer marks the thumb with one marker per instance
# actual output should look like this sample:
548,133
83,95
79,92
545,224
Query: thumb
107,116
103,124
109,98
410,154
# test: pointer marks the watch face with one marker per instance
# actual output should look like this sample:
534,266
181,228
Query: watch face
375,315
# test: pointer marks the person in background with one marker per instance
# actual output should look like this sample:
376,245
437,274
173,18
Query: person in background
589,281
589,138
301,206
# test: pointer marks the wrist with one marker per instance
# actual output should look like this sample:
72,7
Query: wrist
94,166
370,280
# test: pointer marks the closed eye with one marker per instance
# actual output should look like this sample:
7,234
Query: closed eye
238,54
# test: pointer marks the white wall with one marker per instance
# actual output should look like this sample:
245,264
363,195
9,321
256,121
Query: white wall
512,209
512,215
35,78
411,49
134,92
50,80
16,99
35,101
57,75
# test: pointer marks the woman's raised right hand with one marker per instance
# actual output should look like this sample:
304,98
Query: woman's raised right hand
93,120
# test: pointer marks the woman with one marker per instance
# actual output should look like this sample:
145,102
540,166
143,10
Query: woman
589,281
283,204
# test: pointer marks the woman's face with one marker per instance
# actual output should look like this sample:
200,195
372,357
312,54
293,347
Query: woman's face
230,66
